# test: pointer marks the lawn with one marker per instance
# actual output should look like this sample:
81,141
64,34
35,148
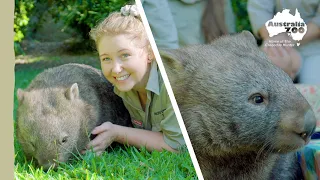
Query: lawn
117,163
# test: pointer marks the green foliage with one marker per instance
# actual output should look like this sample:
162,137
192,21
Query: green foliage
18,49
22,11
241,13
85,14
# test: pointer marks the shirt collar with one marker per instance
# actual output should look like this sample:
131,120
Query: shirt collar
153,82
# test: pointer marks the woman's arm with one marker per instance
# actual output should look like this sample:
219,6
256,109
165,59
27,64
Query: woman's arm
140,137
312,33
313,26
108,133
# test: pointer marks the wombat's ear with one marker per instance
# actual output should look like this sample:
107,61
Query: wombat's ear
72,92
20,95
171,58
249,37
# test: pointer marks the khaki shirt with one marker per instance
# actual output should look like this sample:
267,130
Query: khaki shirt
158,115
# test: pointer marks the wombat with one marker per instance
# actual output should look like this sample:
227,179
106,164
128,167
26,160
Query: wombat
60,108
244,116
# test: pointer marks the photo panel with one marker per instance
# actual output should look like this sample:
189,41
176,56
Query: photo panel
244,76
90,100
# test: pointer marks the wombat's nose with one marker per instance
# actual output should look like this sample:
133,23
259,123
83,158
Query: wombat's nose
309,125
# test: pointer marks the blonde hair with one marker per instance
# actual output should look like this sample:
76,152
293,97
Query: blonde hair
117,23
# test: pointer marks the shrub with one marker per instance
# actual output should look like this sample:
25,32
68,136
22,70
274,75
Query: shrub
85,14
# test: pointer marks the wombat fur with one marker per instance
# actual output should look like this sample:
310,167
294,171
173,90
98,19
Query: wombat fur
244,116
60,108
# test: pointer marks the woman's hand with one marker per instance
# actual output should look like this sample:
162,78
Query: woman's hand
285,57
105,136
108,133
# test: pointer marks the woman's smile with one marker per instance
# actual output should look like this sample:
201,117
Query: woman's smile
122,78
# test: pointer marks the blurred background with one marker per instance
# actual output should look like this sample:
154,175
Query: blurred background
51,27
43,27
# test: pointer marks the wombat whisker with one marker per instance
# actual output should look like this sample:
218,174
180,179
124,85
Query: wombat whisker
264,147
77,155
270,148
69,151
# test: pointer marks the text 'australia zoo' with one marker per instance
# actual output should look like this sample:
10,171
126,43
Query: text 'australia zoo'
293,27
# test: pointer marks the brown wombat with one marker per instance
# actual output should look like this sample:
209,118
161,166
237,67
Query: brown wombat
244,116
60,108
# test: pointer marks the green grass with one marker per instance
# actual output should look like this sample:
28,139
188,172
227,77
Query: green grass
117,163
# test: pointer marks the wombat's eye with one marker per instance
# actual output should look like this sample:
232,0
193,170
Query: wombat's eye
64,139
32,145
258,99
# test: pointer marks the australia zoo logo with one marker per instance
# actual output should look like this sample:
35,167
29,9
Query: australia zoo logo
284,22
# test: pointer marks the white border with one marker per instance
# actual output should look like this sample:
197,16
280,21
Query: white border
169,89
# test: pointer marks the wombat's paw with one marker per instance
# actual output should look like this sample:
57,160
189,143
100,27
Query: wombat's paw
295,131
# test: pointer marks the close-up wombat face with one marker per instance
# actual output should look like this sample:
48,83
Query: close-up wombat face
48,124
232,98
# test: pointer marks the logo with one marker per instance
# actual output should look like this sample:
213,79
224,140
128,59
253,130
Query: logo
160,113
284,22
138,123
